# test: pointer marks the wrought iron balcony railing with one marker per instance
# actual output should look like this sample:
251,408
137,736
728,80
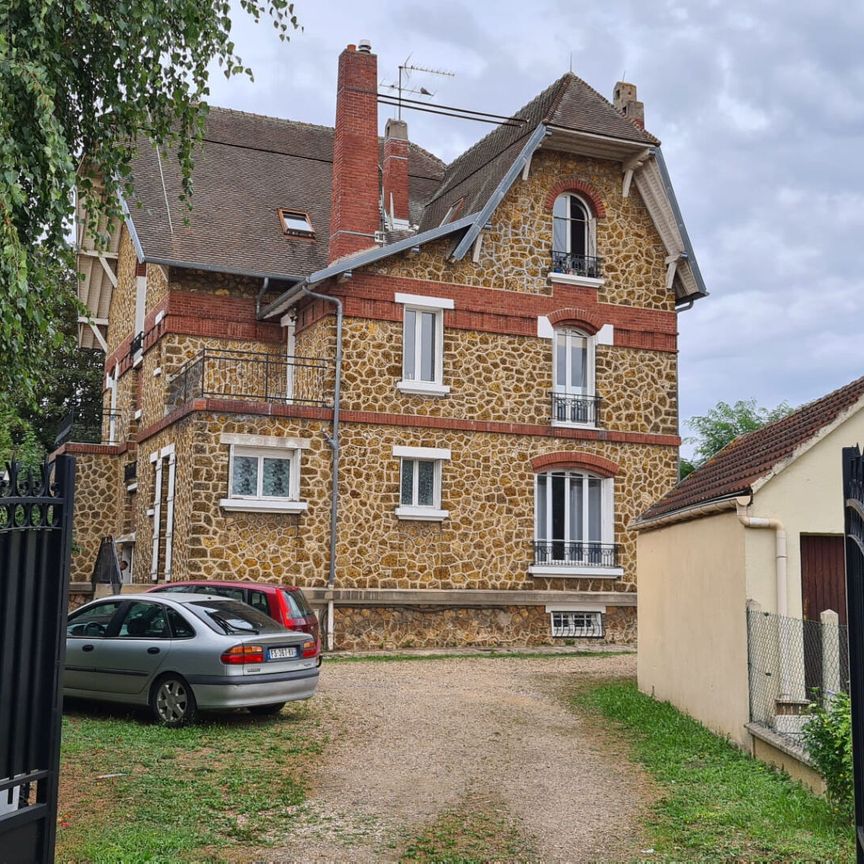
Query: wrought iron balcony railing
576,408
569,554
577,265
136,345
250,376
96,428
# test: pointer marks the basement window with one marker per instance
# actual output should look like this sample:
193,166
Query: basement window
577,624
296,223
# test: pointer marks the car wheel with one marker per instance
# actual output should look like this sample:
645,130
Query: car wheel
172,702
266,710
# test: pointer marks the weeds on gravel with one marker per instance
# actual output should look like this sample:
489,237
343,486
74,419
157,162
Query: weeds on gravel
132,792
719,804
470,835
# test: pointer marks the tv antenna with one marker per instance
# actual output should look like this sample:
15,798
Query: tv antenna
406,67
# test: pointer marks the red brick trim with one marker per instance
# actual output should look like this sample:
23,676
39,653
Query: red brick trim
590,322
584,461
492,310
73,448
579,186
375,418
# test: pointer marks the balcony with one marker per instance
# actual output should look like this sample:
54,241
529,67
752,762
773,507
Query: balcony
576,269
575,409
250,376
102,427
566,558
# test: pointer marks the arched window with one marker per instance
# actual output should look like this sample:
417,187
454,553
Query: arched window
574,522
573,233
573,398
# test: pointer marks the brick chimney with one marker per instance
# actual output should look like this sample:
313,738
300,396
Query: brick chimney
354,211
624,99
395,183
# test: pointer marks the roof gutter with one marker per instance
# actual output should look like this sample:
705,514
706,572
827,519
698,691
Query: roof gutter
534,141
696,511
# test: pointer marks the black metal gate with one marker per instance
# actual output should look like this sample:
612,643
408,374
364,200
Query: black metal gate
853,497
35,547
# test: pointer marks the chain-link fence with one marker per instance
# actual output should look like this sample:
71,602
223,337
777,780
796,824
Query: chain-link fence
793,663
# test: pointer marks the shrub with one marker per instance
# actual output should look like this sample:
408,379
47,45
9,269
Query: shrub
828,739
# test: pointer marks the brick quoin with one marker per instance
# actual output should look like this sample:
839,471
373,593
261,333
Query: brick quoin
580,461
354,213
586,190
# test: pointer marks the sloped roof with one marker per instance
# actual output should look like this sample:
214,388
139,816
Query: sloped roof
756,455
568,103
247,168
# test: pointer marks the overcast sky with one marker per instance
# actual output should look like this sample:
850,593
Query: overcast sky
760,108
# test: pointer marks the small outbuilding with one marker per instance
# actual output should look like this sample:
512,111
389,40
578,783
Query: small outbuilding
742,604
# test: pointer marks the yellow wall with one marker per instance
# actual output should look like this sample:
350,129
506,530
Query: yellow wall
807,497
692,623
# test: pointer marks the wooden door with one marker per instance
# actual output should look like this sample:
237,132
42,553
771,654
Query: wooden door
823,575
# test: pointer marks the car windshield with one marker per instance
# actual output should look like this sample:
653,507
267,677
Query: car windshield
230,616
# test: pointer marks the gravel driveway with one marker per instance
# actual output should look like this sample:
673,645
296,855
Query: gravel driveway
410,739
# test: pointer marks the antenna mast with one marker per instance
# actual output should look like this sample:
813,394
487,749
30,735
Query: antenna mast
405,70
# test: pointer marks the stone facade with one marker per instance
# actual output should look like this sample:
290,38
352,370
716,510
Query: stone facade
495,419
359,629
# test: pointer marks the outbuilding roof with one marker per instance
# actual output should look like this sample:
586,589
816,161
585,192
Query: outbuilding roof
756,456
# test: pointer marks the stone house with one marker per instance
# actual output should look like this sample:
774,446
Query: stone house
434,396
742,580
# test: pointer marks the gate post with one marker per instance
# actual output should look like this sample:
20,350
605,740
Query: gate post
853,510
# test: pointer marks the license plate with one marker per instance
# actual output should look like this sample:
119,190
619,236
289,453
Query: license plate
281,653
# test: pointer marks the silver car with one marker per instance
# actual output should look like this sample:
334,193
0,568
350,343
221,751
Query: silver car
177,653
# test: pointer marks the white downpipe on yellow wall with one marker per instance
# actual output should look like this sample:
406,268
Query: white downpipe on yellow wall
781,586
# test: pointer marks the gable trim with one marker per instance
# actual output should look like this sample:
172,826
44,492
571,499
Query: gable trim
534,141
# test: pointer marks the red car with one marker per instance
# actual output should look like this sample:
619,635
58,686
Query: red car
283,603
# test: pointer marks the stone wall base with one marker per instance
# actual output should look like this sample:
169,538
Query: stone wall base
381,628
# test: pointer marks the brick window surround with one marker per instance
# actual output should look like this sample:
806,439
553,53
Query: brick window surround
575,461
585,320
580,187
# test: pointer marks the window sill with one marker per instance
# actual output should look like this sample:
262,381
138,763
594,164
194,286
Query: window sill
262,505
569,424
574,279
581,571
422,388
422,514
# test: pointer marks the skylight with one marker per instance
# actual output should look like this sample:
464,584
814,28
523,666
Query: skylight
296,222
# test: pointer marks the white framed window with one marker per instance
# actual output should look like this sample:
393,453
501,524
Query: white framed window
574,242
423,344
574,527
296,222
264,474
577,624
574,400
420,471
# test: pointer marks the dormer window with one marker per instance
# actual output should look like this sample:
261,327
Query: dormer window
296,223
574,245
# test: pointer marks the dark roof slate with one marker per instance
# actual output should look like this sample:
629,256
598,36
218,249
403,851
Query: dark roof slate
569,102
751,457
246,169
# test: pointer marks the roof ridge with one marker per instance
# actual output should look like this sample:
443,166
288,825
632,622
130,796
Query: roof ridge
285,121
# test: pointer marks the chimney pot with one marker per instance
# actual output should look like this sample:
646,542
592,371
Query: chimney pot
624,99
364,46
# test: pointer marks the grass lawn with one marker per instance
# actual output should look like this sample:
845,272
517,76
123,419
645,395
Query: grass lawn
134,792
717,803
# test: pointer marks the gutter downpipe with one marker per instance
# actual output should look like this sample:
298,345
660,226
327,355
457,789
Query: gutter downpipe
333,441
781,587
